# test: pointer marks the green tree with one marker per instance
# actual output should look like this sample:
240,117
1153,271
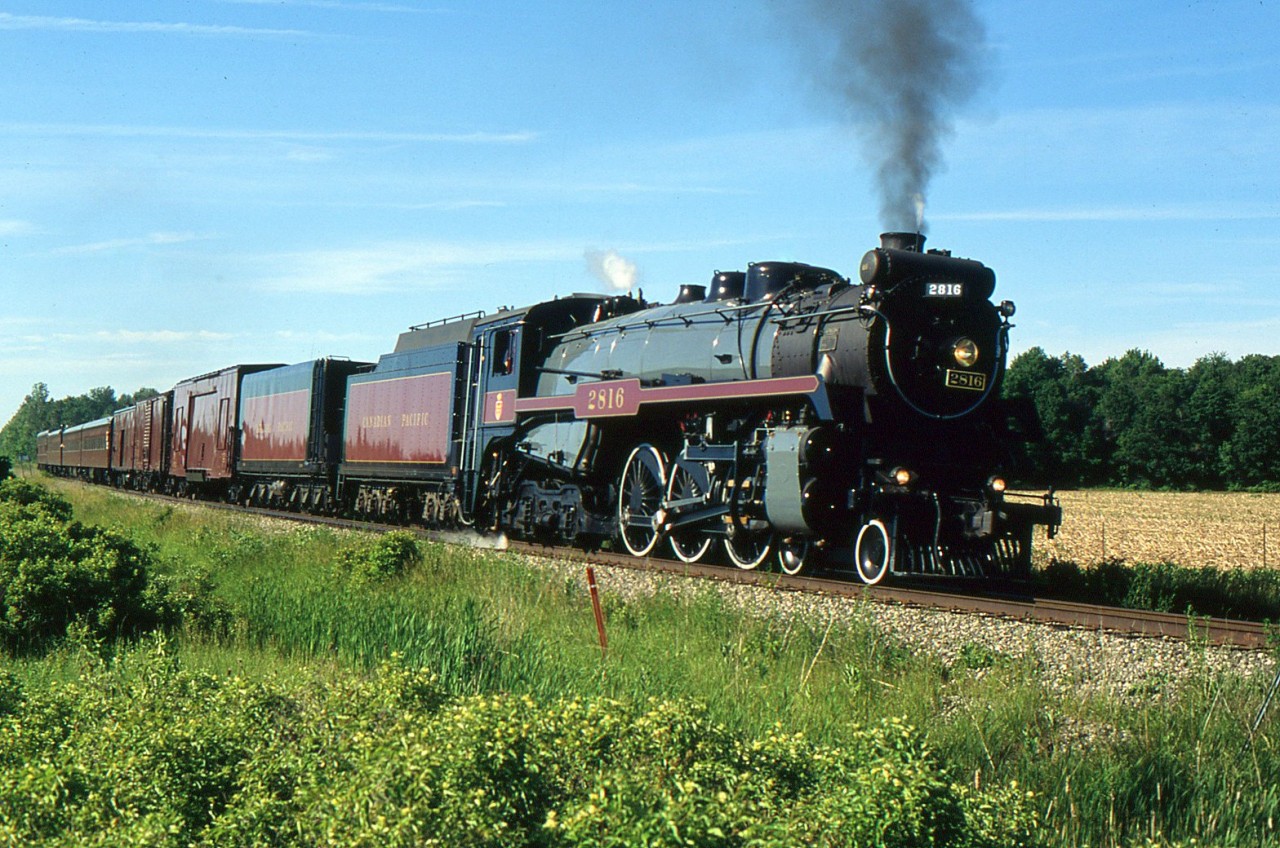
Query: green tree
140,395
1065,394
18,438
1143,412
1249,457
39,412
1210,409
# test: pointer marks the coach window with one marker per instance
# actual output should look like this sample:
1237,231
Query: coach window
503,351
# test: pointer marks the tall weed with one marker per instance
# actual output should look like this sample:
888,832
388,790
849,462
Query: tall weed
1250,594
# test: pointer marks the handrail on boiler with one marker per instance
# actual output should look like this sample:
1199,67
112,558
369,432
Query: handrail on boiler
479,313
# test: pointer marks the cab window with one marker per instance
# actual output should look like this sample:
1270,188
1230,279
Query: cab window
504,353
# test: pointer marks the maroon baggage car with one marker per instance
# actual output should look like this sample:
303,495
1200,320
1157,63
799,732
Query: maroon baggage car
140,443
205,435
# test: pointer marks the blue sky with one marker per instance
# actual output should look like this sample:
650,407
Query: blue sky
186,185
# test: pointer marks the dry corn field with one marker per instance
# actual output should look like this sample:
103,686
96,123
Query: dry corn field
1223,529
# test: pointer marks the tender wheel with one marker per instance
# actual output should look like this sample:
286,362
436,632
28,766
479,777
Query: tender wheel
688,483
872,552
747,550
793,555
640,492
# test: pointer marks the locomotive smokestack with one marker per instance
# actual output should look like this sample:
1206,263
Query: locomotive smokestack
903,241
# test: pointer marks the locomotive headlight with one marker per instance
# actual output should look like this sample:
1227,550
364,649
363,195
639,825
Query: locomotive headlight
965,352
997,485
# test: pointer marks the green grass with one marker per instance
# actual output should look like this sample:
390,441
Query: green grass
1246,594
270,601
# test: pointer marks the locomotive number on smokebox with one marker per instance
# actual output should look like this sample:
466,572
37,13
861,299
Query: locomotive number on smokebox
966,380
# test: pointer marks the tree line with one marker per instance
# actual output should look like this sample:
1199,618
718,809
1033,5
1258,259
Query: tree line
40,412
1130,421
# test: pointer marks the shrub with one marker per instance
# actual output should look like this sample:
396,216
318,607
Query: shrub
55,574
20,493
143,752
496,771
386,556
191,592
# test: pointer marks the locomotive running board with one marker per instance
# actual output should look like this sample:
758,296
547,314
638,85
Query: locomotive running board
624,398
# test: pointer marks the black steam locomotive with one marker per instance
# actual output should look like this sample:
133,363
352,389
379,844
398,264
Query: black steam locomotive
786,411
783,414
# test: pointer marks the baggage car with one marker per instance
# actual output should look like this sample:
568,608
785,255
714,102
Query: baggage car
140,443
204,429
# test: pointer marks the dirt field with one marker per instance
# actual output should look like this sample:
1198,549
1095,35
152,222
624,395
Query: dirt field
1227,530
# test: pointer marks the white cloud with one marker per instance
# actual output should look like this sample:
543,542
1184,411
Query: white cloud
677,188
1186,342
399,265
1166,212
151,240
148,131
42,22
335,4
324,337
1178,344
16,228
1211,136
409,206
146,337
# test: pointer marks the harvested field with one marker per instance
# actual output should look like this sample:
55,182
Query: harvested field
1222,529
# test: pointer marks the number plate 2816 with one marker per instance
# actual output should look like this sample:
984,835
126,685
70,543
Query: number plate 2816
970,380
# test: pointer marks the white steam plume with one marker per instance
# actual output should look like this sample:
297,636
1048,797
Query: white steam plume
612,269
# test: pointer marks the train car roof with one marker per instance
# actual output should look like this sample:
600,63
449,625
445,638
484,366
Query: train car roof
86,425
444,331
251,367
461,328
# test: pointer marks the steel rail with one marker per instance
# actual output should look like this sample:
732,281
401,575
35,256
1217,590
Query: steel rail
1142,623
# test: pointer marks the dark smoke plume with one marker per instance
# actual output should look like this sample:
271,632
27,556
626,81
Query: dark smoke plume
903,68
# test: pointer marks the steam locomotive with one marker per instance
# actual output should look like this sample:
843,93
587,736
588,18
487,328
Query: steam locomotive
781,415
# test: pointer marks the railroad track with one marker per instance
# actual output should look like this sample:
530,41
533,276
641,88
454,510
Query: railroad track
1141,623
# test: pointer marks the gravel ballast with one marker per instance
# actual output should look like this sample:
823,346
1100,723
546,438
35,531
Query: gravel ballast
1070,660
